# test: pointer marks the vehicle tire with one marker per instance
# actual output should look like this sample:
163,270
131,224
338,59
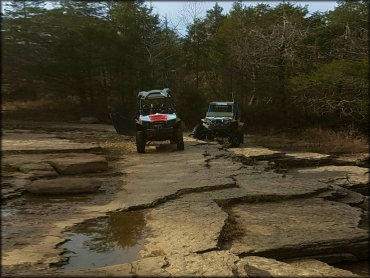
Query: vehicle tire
241,137
179,139
199,132
140,141
234,140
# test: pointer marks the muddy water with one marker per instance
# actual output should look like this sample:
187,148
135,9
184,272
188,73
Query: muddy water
110,240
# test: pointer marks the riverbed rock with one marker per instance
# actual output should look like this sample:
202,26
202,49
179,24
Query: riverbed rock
178,227
343,195
351,177
69,164
299,228
253,266
273,186
214,263
64,185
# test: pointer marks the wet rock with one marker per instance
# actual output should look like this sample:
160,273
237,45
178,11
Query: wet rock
69,164
64,185
152,266
178,227
88,120
253,266
299,228
39,253
153,181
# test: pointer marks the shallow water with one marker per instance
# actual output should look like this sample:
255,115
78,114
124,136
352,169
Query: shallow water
104,241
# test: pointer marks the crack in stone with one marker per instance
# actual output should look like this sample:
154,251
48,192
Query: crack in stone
319,250
266,198
207,250
178,194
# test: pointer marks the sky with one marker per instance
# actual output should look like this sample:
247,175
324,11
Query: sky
176,10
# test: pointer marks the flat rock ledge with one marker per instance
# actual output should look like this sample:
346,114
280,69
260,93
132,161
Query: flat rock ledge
183,226
69,164
299,228
215,264
64,185
253,266
351,177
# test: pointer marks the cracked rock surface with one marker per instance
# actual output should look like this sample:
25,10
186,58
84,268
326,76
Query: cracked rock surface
298,228
210,211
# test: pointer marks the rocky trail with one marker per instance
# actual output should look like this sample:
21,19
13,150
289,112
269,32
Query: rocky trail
77,200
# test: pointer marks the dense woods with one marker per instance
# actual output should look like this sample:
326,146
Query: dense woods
284,66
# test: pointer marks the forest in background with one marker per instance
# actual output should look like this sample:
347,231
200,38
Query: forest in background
286,67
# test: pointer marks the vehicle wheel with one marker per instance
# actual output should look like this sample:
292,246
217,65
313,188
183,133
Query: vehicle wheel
140,141
241,137
179,139
199,132
234,140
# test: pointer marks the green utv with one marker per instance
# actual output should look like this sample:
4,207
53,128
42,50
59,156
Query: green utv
156,120
222,121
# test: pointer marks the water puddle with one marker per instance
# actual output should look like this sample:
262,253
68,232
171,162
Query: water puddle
104,241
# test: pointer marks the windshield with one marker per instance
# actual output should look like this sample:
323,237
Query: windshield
157,105
219,110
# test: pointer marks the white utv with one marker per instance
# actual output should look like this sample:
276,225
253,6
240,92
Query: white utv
156,120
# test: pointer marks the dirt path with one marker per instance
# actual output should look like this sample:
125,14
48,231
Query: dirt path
204,211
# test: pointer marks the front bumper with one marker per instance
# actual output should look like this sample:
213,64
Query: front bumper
159,133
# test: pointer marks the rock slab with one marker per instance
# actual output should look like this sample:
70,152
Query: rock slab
70,164
299,228
64,185
253,266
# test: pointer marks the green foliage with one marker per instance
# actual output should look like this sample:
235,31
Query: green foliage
280,63
340,87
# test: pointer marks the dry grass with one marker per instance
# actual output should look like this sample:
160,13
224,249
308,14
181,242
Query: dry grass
316,140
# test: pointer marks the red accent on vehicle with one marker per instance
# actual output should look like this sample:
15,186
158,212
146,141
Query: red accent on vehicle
158,118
